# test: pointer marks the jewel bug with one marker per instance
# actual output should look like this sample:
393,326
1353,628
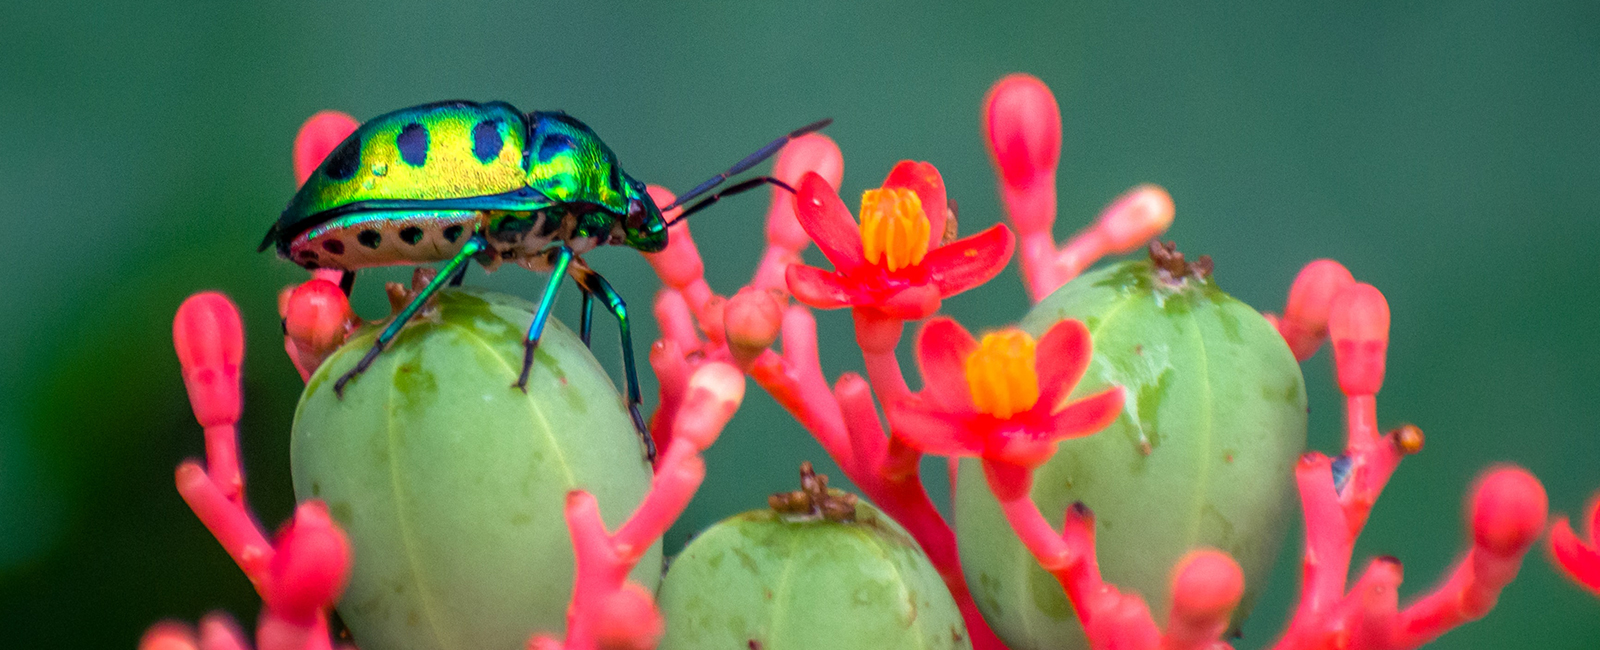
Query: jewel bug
460,181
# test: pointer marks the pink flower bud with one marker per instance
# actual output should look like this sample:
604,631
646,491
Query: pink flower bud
753,318
317,138
715,391
310,566
815,153
1358,323
629,621
1305,315
317,317
1135,218
1508,511
1579,560
1023,126
1206,586
167,635
210,344
218,631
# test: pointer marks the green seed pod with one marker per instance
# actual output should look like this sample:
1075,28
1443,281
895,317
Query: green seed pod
819,570
452,484
1203,454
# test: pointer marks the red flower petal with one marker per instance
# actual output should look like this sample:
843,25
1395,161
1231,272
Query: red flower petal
1007,481
1085,416
1021,451
924,179
829,223
932,431
820,289
1062,357
915,302
942,350
971,261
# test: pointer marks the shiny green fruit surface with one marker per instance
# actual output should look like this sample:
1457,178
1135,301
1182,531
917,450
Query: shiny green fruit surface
1203,454
765,580
451,483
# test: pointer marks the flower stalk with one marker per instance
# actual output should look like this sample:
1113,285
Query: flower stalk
1508,505
302,571
607,611
1022,127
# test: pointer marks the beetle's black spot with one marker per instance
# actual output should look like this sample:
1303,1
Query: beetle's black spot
413,144
554,145
614,179
308,255
333,246
411,235
453,233
486,140
342,164
370,238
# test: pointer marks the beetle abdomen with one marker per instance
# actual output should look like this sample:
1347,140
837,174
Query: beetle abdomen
383,239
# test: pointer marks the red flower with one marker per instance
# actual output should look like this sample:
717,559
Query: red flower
1004,399
896,259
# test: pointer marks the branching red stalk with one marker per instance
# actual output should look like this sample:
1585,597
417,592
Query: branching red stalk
300,575
606,610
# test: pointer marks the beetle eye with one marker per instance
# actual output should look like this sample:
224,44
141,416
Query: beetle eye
636,215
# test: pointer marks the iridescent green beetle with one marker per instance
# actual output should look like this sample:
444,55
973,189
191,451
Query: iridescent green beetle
463,181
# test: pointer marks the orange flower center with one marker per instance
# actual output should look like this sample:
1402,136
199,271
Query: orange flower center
1001,373
894,229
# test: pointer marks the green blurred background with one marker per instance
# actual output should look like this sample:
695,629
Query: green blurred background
1448,153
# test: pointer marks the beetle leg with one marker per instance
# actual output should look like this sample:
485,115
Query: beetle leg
597,286
560,258
587,324
472,247
347,281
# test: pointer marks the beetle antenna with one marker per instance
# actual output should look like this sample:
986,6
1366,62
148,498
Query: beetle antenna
741,186
749,161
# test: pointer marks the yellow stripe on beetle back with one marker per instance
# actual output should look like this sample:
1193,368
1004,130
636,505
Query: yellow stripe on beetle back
443,143
1002,374
894,228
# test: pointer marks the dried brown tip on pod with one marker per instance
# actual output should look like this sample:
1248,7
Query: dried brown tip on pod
814,499
1171,265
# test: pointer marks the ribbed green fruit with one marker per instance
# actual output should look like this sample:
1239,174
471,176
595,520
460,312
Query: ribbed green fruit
451,483
769,581
1203,454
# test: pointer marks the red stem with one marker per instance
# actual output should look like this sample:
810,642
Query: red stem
222,461
234,528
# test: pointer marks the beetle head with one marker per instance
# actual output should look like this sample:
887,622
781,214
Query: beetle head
645,228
